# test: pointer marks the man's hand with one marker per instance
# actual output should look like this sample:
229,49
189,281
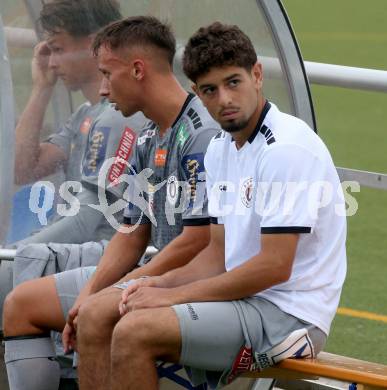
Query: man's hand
69,339
70,330
155,281
149,297
42,75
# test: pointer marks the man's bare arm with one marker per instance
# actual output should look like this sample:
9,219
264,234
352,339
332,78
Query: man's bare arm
33,159
121,255
206,264
271,266
177,253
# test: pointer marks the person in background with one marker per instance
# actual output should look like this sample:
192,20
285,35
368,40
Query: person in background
68,27
91,135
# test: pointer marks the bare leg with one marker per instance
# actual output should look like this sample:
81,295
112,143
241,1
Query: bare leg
96,321
30,310
33,308
139,339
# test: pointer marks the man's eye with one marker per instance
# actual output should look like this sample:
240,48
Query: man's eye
233,83
56,50
208,91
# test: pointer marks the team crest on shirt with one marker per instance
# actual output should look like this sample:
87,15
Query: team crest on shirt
247,192
172,190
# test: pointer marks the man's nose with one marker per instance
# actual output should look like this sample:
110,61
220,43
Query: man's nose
224,96
52,61
104,88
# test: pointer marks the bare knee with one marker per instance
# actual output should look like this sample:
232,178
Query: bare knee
32,308
88,324
133,333
15,310
96,319
147,333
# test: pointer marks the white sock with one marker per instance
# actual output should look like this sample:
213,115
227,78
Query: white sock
31,363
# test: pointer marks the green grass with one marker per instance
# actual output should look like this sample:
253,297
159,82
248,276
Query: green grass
357,338
353,125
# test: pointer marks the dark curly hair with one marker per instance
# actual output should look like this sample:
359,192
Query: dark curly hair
217,45
137,30
79,18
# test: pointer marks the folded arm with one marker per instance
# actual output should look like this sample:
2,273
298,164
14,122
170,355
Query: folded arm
205,279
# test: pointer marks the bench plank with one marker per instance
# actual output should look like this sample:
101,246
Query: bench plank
337,367
279,373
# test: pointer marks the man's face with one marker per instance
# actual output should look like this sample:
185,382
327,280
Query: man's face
231,94
71,59
118,83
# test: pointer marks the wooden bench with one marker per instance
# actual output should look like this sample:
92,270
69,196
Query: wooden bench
368,376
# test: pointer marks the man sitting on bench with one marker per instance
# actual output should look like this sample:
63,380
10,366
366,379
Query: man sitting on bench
168,214
94,132
268,285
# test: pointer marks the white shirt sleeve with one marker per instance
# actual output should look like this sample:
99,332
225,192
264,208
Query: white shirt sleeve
291,189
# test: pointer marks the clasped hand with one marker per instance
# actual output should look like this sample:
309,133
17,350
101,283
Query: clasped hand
69,339
145,293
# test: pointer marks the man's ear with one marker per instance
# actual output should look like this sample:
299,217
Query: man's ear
257,73
138,70
195,89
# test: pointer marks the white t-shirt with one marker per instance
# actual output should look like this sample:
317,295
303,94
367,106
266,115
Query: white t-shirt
283,181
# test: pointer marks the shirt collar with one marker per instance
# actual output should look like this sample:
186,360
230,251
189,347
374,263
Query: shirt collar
185,105
262,117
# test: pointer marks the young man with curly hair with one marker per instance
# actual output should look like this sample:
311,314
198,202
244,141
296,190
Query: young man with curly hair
268,284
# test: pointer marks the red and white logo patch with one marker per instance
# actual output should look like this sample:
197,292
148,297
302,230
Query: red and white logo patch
160,157
85,126
242,363
123,153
